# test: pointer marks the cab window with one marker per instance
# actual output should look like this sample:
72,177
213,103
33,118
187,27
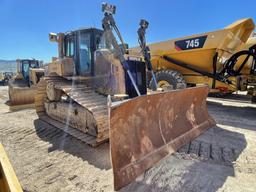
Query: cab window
101,42
84,39
25,70
69,46
34,64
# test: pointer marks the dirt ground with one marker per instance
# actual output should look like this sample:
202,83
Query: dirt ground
222,159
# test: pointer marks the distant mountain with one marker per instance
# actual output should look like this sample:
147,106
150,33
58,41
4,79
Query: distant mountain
8,65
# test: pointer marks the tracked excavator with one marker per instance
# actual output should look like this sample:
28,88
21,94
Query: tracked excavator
96,92
22,86
221,59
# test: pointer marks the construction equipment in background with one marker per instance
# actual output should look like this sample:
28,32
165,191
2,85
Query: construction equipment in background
8,179
22,87
95,92
5,77
2,79
246,67
146,51
217,59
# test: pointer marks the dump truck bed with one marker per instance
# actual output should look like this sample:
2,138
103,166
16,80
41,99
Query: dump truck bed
45,159
199,49
202,58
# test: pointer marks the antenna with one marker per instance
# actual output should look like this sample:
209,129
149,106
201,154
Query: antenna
93,22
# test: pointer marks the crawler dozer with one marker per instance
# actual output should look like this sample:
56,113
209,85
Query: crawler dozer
8,179
220,59
22,86
95,92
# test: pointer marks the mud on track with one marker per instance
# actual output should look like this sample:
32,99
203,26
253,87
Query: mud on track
46,159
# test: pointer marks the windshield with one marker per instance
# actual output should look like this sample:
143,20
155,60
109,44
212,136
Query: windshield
25,70
84,43
101,42
26,64
80,45
69,46
33,64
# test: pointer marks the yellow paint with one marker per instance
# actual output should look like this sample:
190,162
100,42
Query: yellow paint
8,179
225,42
163,83
1,76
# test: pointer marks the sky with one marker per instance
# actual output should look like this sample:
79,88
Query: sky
25,24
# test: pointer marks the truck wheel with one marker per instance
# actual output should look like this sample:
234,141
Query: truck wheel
169,79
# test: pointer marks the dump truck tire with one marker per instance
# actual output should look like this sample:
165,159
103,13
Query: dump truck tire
169,78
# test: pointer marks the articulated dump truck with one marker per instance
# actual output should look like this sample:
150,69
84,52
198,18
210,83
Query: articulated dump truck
101,94
248,68
22,86
8,179
224,59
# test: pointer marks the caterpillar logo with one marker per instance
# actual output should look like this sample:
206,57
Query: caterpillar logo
191,43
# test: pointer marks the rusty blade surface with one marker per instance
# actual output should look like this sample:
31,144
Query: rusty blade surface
21,95
146,129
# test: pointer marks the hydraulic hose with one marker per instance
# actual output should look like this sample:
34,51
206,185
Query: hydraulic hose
108,24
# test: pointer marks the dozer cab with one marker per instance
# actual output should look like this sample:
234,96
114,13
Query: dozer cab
22,86
96,92
220,59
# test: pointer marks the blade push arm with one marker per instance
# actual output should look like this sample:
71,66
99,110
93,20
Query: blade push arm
145,49
108,24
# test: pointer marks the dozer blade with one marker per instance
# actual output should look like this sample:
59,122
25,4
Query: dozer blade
21,95
148,128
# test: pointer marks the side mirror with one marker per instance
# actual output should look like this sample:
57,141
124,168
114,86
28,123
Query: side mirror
53,37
